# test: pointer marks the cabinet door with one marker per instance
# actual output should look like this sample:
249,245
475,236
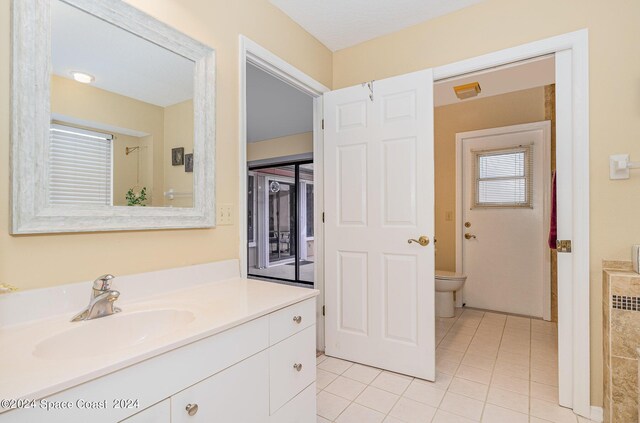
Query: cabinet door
301,409
292,366
159,413
239,394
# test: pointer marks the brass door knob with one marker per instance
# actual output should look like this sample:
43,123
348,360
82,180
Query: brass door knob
423,240
469,236
192,409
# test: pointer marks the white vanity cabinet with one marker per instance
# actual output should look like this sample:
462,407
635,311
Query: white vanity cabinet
256,389
262,370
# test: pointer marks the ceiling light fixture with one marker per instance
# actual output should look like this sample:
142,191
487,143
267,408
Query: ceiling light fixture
467,90
85,78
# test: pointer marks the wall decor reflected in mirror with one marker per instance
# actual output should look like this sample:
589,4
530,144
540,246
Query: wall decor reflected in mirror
119,91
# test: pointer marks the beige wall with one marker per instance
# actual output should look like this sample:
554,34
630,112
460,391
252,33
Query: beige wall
178,132
491,112
614,100
82,101
280,147
133,170
44,260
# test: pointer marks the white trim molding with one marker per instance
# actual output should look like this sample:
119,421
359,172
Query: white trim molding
597,414
251,52
31,117
572,132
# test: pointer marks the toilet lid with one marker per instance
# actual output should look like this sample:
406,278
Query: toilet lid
445,274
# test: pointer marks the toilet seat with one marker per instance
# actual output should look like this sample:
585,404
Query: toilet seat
446,275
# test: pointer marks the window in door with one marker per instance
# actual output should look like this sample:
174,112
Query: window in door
503,177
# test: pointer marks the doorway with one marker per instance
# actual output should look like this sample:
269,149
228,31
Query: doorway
251,53
571,65
504,209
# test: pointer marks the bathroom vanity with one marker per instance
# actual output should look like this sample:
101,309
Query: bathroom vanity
205,346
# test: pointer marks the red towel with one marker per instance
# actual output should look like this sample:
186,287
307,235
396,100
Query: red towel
553,225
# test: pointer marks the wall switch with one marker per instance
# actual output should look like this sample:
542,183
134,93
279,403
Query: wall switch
225,214
448,216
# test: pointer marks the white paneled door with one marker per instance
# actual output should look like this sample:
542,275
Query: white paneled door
379,184
505,203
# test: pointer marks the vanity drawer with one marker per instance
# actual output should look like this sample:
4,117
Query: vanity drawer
291,320
291,367
159,413
301,409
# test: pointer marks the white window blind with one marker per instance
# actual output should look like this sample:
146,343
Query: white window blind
503,177
80,166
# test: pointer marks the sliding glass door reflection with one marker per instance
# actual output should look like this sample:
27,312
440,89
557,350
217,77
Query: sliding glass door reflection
280,222
306,259
281,212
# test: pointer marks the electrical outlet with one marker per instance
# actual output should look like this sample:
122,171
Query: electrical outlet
225,214
448,216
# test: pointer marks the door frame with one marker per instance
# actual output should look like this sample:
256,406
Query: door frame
252,52
572,133
545,127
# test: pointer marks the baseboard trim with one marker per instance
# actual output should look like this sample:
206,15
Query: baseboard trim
597,414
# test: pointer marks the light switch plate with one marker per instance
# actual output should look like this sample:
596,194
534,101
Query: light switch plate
225,214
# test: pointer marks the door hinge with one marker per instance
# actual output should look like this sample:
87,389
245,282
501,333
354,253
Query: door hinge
563,245
323,310
322,123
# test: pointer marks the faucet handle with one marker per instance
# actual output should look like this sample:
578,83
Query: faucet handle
103,283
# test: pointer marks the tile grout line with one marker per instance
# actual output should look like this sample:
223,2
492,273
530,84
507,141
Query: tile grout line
493,368
542,333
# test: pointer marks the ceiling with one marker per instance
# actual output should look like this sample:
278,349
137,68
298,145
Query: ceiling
120,61
514,77
343,23
274,108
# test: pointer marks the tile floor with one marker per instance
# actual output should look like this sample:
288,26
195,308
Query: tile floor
490,368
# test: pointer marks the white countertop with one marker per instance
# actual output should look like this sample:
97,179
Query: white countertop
216,306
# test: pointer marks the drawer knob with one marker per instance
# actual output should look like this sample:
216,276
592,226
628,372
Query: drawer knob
297,319
192,409
297,366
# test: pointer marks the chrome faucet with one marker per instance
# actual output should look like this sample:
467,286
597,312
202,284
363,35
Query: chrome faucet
101,301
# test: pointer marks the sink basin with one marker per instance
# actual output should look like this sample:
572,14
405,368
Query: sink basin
111,333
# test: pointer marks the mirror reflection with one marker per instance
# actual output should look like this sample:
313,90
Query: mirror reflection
122,120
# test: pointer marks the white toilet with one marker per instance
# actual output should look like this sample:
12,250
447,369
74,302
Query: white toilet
446,284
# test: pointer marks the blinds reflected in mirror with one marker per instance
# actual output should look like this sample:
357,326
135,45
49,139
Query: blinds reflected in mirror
80,166
503,177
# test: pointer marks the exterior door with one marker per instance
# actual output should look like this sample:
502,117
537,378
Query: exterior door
504,227
379,184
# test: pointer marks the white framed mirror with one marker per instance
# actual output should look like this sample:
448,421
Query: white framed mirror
113,120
